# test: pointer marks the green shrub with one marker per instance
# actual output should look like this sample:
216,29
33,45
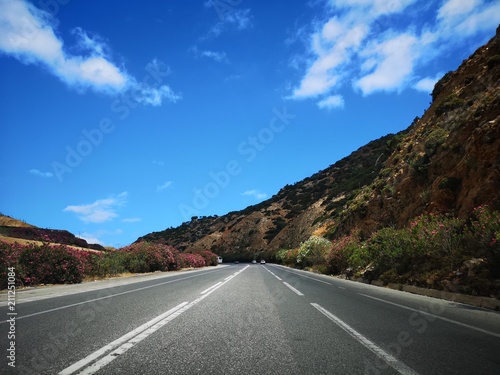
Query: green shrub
313,251
450,103
438,87
341,254
435,139
390,248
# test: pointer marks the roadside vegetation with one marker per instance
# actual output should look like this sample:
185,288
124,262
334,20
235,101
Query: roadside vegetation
46,263
434,251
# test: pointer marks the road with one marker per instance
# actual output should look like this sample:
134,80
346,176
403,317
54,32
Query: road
245,319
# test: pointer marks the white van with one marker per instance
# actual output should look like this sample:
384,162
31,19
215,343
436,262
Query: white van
219,259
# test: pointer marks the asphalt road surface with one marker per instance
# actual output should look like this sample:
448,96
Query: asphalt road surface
243,319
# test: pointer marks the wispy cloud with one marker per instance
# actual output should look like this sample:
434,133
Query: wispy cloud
379,45
90,238
29,34
331,102
132,220
255,194
99,211
38,173
229,17
159,163
220,57
427,84
164,186
96,236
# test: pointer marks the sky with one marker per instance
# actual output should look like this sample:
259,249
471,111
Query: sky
120,118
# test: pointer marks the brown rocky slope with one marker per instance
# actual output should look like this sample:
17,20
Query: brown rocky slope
448,161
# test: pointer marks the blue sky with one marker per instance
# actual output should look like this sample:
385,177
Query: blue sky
119,118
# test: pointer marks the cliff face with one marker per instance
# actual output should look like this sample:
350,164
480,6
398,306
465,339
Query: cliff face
448,161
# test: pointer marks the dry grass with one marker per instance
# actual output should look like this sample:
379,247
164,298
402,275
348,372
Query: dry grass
21,241
11,222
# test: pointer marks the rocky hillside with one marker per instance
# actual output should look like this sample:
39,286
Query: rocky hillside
448,161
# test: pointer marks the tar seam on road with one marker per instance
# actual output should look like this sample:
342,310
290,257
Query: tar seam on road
434,316
132,338
388,358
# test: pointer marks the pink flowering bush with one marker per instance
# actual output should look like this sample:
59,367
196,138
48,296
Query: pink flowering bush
188,260
342,254
9,257
51,264
482,236
211,259
47,264
150,257
439,237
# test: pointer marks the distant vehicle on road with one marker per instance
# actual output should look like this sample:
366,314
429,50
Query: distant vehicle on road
254,261
219,260
262,261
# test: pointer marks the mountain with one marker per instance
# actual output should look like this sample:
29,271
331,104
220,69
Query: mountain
17,229
447,161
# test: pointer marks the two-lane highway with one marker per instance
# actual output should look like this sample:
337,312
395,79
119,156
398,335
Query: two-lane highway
249,319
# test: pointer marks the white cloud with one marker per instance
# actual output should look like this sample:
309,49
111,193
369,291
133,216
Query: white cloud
214,55
229,16
255,194
90,238
28,34
467,17
100,211
164,186
132,220
38,173
154,96
390,64
427,84
384,45
334,101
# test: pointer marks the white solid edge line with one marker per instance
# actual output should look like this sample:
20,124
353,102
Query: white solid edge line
298,274
292,288
132,338
91,357
391,360
434,316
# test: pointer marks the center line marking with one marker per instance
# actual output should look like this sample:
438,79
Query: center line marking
129,340
213,286
391,360
292,288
